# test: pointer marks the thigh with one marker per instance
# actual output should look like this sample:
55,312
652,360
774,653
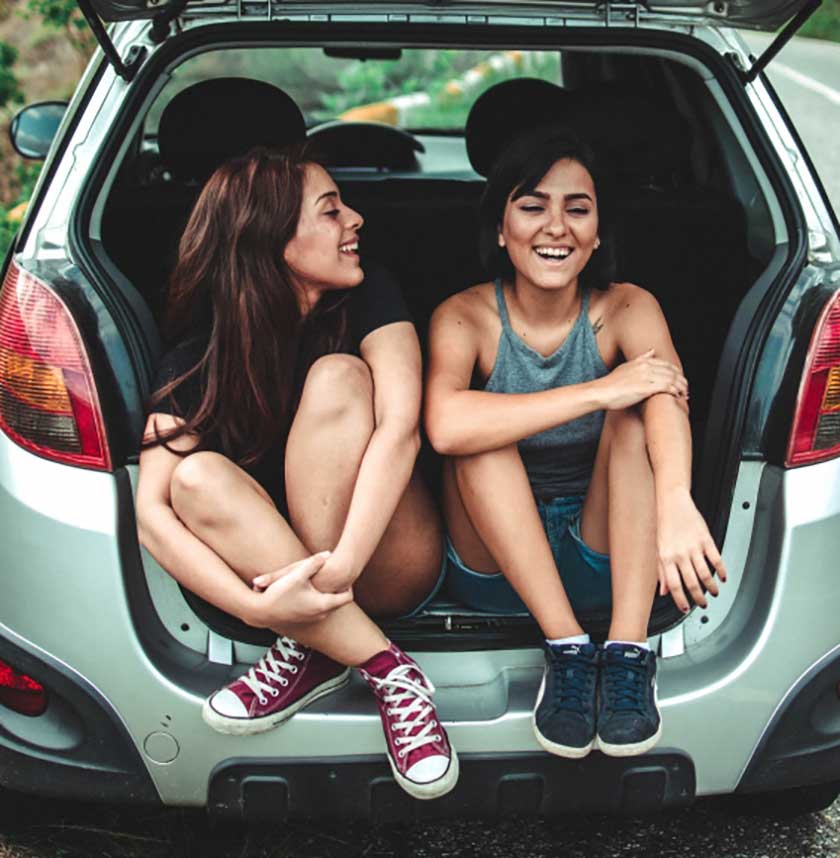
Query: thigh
594,517
230,512
406,565
460,529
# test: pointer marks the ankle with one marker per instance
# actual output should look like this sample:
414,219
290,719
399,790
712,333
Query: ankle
631,633
561,630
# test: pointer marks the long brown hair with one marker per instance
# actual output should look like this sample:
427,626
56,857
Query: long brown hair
231,271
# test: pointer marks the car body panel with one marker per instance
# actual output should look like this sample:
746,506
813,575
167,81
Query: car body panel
717,697
764,14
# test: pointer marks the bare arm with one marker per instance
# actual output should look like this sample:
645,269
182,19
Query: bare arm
196,566
393,355
460,421
684,542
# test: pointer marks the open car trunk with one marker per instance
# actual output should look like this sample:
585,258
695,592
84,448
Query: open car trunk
691,223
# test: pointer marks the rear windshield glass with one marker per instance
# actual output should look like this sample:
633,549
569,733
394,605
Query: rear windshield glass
430,90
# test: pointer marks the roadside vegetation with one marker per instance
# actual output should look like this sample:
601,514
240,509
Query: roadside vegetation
825,22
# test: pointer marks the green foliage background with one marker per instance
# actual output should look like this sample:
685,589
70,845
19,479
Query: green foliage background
825,22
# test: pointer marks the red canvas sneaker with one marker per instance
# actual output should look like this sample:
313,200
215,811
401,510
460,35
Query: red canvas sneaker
424,764
287,678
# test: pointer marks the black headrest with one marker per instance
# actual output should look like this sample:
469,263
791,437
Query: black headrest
638,135
505,111
215,120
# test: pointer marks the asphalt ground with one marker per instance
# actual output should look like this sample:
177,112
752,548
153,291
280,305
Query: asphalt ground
807,77
34,828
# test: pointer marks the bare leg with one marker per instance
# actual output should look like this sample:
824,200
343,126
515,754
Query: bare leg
228,511
619,518
494,524
329,436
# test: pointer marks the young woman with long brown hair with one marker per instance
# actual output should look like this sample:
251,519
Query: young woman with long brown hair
277,473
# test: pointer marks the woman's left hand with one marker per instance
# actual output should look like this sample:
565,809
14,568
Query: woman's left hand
688,556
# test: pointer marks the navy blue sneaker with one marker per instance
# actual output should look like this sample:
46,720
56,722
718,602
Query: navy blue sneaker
629,721
564,716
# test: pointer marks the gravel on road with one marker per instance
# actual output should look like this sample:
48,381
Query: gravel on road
38,828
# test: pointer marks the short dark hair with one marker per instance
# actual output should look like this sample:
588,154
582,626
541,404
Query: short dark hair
518,170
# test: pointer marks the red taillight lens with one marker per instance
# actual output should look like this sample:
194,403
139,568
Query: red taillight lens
816,426
21,692
48,399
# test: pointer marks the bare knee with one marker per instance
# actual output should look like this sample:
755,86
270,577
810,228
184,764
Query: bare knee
467,467
338,386
198,483
626,429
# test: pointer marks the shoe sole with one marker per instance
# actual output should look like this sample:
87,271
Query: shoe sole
249,726
444,784
628,750
635,748
570,752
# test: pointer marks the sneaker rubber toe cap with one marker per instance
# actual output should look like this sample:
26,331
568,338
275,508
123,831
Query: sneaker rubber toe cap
226,703
429,769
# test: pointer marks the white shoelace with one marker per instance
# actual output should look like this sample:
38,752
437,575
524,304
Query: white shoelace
399,689
272,668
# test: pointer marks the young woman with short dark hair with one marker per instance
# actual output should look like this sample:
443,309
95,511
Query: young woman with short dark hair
559,400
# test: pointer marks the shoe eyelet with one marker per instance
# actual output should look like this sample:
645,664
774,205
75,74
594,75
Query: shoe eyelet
263,700
275,692
401,754
300,656
293,669
284,682
394,729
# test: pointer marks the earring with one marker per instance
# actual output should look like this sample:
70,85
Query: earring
597,243
501,240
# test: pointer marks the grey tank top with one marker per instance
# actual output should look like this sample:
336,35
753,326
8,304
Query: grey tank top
559,461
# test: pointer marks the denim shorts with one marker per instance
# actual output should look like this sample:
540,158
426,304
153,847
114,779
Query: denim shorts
417,609
585,572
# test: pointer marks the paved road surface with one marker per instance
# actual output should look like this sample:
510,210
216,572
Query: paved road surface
806,75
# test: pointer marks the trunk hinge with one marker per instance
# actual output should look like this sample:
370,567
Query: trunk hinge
126,70
780,41
624,10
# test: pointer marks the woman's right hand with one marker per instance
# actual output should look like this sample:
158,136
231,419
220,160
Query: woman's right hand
288,595
636,380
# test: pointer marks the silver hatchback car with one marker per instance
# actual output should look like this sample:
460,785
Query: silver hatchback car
105,660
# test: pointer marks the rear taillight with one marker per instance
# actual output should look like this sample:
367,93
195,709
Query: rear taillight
816,425
48,399
21,692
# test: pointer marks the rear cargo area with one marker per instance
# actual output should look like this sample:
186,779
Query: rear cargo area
689,220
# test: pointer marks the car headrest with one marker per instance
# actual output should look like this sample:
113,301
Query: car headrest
638,136
507,110
214,120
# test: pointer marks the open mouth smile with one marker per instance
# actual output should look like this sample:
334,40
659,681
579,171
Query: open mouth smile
552,254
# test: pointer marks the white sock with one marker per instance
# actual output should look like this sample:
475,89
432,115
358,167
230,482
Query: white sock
574,639
639,644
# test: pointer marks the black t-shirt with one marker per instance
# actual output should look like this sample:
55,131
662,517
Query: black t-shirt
376,302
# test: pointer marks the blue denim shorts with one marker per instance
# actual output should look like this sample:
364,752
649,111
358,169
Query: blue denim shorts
444,563
585,572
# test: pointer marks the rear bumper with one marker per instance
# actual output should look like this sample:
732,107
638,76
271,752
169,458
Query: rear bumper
75,594
802,744
489,785
77,748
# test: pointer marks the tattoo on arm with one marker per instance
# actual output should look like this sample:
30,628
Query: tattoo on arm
597,325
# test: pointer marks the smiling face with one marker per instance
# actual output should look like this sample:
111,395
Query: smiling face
551,231
323,254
